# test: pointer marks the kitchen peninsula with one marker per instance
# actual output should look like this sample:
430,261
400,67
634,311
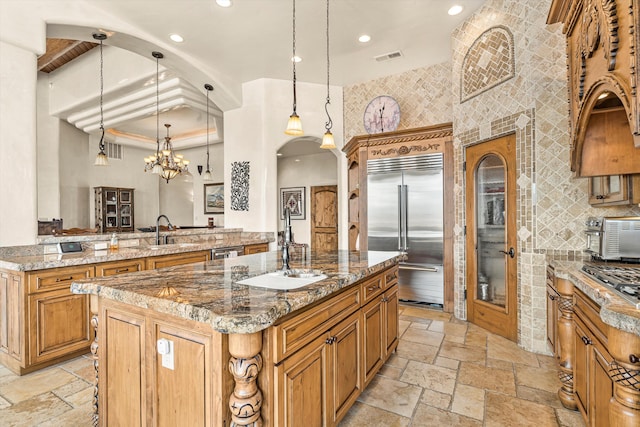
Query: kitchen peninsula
43,323
190,345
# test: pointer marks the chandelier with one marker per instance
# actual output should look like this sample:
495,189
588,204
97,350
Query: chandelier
165,162
294,125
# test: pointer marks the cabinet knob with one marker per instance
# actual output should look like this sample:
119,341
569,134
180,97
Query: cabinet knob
552,297
633,358
585,340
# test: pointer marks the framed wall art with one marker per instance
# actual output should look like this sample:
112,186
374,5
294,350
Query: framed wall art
214,198
293,197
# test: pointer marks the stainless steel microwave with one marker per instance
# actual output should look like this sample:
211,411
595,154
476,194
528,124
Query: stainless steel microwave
614,238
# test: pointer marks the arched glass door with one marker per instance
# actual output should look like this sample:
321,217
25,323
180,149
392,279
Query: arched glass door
491,276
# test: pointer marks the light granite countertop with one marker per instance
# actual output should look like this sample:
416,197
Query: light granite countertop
209,292
29,262
614,310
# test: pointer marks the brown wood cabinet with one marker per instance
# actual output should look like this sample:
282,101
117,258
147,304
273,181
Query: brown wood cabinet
401,143
136,389
43,323
593,387
114,209
256,249
614,190
604,106
330,352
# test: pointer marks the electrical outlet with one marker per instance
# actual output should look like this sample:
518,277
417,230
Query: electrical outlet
165,348
99,246
129,243
50,249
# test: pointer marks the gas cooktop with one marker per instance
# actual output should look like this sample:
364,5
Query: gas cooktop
624,280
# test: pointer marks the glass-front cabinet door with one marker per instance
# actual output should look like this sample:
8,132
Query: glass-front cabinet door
491,277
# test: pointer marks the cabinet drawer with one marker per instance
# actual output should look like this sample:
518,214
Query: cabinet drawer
589,313
178,259
256,249
57,278
296,332
372,287
120,267
390,277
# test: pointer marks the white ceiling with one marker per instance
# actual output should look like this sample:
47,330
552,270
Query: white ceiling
253,38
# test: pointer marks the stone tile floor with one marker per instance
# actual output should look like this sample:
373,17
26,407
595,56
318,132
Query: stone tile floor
446,372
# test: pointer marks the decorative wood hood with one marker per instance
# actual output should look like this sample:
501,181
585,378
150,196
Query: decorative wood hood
603,55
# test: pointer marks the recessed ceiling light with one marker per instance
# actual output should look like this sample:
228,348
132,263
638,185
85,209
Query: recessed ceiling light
176,38
456,9
224,3
296,59
296,160
278,154
364,38
603,95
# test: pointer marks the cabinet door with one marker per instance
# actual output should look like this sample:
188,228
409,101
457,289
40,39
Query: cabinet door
122,375
391,327
190,375
59,324
301,394
345,378
373,348
11,314
581,367
601,386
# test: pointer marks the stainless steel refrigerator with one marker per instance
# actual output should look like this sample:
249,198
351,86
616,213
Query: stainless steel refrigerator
405,212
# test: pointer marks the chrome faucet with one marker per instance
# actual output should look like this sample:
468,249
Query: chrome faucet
158,227
287,239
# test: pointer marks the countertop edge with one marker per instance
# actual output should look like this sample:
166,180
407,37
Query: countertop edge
614,311
234,323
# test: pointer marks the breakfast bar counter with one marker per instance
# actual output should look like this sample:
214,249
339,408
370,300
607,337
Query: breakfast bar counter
193,345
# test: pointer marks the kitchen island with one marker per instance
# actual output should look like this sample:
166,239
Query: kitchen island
595,335
235,353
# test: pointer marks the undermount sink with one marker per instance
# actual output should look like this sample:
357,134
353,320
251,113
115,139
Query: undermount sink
285,280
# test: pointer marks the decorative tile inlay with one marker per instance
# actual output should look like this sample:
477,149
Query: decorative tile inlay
523,181
240,186
488,62
522,121
523,233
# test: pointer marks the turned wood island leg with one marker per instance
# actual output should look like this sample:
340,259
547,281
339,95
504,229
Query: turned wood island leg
566,344
245,364
624,371
94,356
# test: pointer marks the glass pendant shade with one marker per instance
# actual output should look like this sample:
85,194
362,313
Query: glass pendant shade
207,176
101,160
294,126
327,141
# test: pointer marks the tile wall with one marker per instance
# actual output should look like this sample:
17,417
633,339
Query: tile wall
553,205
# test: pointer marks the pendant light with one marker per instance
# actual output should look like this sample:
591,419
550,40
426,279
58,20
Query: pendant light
165,162
294,126
327,140
101,158
207,174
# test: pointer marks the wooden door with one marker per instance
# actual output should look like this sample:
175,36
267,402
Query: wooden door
324,218
491,236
